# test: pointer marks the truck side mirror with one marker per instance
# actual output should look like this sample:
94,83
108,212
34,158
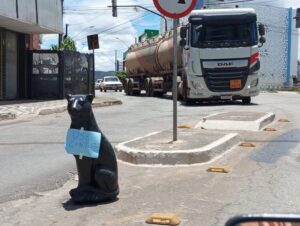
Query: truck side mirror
261,29
262,40
183,31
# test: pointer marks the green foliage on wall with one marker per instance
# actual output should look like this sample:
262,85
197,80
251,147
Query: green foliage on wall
67,44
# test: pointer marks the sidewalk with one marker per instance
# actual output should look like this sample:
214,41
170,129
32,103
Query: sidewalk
10,110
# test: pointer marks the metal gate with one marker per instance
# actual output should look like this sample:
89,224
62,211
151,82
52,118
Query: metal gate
56,73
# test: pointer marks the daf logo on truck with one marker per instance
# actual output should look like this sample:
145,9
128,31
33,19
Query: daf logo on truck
225,64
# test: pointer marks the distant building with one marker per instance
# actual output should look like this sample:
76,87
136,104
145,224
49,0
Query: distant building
148,34
279,55
21,22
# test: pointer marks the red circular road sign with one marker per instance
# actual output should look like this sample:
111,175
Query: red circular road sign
175,8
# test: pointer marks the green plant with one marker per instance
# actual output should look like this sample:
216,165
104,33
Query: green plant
122,76
67,44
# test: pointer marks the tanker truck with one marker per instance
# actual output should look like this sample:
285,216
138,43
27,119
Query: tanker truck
218,58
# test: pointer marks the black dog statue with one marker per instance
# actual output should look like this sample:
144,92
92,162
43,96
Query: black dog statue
98,177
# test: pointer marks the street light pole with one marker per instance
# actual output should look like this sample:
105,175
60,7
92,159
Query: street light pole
122,42
116,61
60,36
151,11
66,34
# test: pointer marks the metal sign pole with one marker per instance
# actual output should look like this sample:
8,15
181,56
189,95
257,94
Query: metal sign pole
175,57
175,11
94,74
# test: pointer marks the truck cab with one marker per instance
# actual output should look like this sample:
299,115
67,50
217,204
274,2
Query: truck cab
220,55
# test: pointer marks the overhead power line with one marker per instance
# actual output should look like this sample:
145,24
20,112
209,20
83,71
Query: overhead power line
116,26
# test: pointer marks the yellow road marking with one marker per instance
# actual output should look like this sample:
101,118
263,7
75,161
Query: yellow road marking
247,145
184,126
270,129
218,169
283,120
163,219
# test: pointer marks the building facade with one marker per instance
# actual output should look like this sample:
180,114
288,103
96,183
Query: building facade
21,22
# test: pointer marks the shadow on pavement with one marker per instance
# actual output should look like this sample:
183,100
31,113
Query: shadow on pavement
71,206
212,103
216,103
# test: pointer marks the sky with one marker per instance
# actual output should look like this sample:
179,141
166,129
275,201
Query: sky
86,17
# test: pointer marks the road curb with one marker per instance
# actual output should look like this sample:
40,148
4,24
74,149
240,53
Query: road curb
52,110
207,153
60,109
7,116
263,122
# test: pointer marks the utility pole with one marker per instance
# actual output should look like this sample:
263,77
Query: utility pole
66,34
60,36
116,61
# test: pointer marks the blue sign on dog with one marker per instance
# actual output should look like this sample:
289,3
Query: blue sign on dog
83,143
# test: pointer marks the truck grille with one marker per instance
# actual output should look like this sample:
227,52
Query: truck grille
218,80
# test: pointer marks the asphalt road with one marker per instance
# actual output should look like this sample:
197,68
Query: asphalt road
264,179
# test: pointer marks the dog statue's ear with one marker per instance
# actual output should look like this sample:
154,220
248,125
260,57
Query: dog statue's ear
90,97
68,96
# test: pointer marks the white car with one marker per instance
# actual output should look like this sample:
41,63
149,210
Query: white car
111,83
97,83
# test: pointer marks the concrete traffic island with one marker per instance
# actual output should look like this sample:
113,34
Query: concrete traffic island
201,144
245,121
194,146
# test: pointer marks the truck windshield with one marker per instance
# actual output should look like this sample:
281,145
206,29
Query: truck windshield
224,35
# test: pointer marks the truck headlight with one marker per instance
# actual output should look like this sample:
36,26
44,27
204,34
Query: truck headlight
197,85
254,83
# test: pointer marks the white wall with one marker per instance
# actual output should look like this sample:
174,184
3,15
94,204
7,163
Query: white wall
8,8
274,53
27,10
31,16
50,12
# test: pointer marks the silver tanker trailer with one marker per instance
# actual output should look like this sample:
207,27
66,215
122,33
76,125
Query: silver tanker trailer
218,58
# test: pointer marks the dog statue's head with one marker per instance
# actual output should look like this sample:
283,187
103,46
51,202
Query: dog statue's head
80,106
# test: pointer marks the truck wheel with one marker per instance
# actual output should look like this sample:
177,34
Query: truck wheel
151,92
186,100
158,94
136,92
189,102
246,100
147,87
130,88
126,86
